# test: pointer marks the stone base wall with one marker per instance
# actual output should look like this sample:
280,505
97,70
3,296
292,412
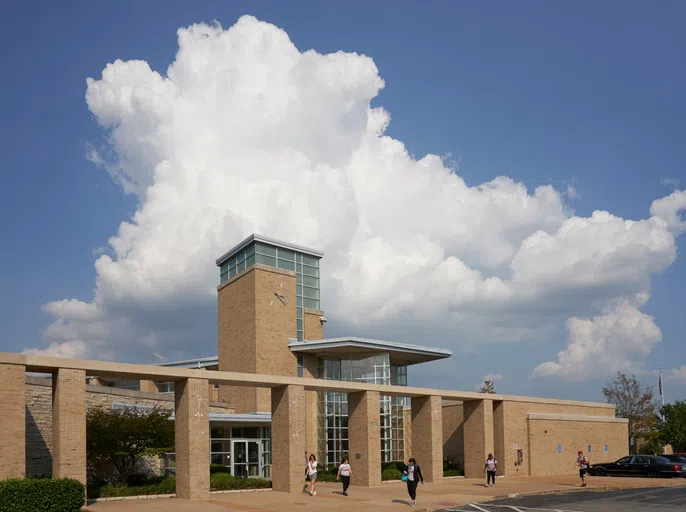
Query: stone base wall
39,417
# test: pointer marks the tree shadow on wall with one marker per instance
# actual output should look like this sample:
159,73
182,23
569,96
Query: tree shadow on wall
38,456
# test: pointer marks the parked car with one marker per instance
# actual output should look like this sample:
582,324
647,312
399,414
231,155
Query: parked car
652,466
679,458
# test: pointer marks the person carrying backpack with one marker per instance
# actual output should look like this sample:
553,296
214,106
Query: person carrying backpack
413,475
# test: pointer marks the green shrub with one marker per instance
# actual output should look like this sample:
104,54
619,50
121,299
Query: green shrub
226,482
453,472
391,474
398,464
327,477
165,486
218,468
41,495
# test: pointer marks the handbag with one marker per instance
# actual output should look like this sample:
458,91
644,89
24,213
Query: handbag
403,478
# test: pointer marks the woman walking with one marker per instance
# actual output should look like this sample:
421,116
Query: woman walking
312,473
344,473
414,476
490,468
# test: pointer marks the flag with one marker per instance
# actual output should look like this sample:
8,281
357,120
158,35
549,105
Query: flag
662,395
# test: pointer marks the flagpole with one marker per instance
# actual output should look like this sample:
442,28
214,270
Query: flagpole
662,399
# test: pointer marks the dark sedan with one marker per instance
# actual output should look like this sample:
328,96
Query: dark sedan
652,466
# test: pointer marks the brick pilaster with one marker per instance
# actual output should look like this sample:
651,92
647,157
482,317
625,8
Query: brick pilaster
69,424
288,438
427,436
478,436
12,420
192,425
364,438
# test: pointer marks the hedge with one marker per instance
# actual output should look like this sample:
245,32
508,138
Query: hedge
226,482
453,472
391,474
41,495
166,486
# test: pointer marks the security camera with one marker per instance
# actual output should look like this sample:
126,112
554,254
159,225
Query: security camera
322,319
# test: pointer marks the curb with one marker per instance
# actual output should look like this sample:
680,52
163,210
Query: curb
161,496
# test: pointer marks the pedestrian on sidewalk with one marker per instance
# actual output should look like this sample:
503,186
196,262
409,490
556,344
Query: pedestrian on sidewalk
490,468
344,473
413,475
311,473
582,461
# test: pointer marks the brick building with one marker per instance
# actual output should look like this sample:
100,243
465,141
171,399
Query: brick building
270,322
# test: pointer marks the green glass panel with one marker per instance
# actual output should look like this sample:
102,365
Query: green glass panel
285,254
250,250
310,271
311,303
310,293
311,281
265,260
268,250
249,261
310,260
287,265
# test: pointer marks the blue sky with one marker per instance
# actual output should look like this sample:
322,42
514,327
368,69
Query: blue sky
577,94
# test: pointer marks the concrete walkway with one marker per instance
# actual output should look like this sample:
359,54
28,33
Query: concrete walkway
390,496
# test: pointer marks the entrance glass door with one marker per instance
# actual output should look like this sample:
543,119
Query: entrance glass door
246,458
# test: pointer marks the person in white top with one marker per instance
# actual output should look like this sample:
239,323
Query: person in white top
344,472
490,468
311,473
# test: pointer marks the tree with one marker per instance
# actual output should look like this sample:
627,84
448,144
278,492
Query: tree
634,401
121,437
672,427
488,387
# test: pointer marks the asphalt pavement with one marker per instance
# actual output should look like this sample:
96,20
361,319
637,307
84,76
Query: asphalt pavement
670,499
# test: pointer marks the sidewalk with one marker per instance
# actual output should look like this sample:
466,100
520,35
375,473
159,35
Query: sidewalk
390,496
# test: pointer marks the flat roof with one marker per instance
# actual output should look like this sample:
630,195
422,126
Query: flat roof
202,362
399,352
271,241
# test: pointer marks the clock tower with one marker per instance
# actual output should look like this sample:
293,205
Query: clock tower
268,294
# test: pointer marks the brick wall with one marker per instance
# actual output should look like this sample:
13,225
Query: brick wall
253,331
12,442
453,432
511,418
39,415
548,432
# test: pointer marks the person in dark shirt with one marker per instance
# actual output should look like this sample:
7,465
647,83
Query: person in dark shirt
413,475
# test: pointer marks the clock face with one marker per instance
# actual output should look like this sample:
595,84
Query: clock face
278,294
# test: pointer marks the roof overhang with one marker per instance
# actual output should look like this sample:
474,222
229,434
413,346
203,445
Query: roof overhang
401,353
203,362
271,241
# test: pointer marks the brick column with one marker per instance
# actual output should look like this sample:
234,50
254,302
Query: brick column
12,420
364,438
427,436
69,424
192,426
288,438
478,436
148,386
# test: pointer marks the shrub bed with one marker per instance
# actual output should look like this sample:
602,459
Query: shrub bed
453,472
226,482
41,495
165,486
391,474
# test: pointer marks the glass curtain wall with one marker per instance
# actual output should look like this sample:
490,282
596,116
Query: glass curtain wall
333,407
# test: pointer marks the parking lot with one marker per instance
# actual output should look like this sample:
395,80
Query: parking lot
671,499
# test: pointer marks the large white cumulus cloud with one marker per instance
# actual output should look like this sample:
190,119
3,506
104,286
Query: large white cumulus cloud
245,133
